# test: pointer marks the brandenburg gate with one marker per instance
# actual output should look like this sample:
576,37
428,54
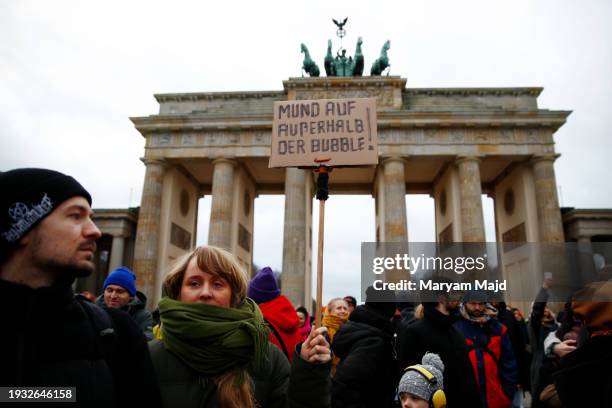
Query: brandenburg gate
452,143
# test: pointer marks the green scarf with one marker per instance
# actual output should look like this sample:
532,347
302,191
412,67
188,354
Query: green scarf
212,339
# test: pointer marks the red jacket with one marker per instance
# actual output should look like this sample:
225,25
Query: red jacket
492,358
283,320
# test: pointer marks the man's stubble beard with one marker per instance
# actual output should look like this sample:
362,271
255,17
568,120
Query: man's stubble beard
474,313
62,270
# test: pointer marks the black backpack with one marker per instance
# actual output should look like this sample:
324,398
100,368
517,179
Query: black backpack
107,340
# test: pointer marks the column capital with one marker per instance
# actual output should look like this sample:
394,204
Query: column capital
119,234
583,238
401,159
544,157
155,160
229,160
467,158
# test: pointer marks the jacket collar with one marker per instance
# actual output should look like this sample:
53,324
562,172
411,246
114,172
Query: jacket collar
437,318
15,295
371,316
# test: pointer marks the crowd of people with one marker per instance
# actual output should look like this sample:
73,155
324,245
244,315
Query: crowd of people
218,339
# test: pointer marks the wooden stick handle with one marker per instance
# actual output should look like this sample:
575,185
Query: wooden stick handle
320,263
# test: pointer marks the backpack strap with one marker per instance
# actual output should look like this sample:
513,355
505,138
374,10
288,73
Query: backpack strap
485,348
106,339
278,337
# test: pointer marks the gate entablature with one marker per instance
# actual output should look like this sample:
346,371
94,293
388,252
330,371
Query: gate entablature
453,143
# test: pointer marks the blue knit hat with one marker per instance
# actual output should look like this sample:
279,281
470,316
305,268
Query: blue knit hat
123,277
263,287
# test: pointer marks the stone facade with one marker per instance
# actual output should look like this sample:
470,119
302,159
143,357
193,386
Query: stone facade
455,144
115,248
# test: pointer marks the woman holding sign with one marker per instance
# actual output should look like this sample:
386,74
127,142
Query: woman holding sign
214,349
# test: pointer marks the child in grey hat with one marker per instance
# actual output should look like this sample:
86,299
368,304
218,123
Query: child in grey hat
422,385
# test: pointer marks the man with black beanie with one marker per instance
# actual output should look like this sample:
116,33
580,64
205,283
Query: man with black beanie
367,373
50,338
435,333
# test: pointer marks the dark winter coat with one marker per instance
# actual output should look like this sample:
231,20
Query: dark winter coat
585,378
284,324
406,317
492,359
537,334
519,345
49,338
137,311
435,333
367,374
300,385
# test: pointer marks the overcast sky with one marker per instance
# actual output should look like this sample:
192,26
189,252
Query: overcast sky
73,72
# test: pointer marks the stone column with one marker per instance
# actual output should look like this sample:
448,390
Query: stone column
117,249
470,191
147,236
584,249
549,214
294,236
220,230
395,218
550,226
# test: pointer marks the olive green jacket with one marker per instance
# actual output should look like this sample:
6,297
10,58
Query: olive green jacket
301,385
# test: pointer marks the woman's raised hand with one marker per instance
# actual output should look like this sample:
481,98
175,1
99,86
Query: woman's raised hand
315,348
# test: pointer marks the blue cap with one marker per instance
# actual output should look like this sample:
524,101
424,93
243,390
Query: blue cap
123,277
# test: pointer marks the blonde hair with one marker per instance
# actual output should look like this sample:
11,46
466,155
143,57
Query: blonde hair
331,304
217,262
213,260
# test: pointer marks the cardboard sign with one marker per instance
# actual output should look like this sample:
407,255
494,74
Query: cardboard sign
342,130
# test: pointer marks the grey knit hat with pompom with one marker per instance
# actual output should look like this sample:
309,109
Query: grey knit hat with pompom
414,383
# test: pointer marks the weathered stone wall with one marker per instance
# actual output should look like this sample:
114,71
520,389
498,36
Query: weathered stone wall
493,128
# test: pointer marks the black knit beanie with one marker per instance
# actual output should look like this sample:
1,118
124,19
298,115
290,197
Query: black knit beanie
381,300
29,195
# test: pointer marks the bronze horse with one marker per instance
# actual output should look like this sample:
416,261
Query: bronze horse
382,62
309,65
